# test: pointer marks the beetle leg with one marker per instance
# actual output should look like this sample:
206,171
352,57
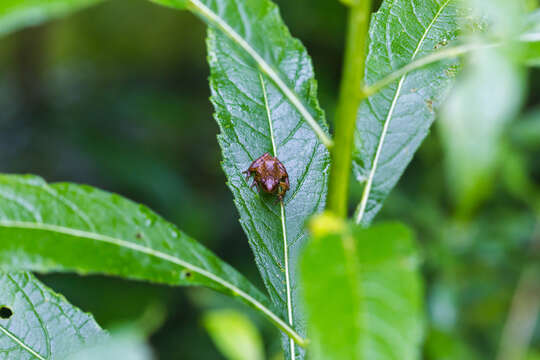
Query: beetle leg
254,184
279,196
281,191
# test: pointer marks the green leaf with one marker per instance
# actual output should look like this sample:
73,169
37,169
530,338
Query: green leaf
392,124
238,21
264,93
36,323
255,117
363,294
234,335
16,14
65,227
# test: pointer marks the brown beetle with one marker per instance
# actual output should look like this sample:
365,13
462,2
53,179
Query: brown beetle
270,175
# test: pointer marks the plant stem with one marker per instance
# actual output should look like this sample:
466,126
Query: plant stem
350,96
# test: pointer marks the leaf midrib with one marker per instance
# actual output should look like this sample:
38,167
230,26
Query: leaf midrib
158,254
282,218
367,191
40,320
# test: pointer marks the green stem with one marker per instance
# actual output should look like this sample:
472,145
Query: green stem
350,96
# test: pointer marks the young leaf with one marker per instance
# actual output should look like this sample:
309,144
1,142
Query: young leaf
264,93
363,294
65,227
36,323
16,14
234,335
393,123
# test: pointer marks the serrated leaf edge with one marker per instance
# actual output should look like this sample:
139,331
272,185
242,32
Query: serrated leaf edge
201,9
367,189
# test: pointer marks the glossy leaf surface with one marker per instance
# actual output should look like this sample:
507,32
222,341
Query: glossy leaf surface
66,227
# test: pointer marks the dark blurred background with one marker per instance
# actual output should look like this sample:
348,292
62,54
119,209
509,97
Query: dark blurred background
116,96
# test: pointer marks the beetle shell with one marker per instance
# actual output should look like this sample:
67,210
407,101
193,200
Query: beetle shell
269,175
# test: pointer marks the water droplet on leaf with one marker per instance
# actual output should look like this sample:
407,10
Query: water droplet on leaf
148,216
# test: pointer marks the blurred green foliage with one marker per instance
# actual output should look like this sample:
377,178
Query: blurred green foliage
234,334
118,99
375,309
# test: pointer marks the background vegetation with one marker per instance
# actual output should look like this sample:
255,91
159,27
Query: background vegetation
108,99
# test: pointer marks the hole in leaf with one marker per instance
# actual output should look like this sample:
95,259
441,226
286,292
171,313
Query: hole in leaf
186,274
5,312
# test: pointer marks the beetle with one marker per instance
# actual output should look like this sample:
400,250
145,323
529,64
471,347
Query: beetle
269,174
